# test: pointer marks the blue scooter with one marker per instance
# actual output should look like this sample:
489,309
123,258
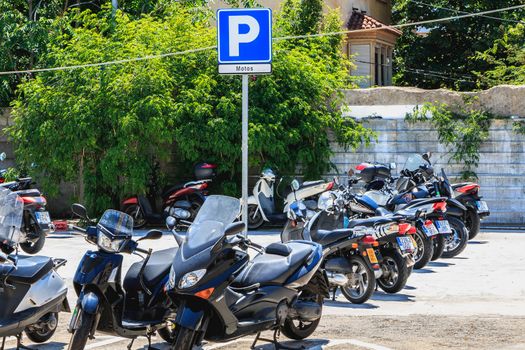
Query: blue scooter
138,307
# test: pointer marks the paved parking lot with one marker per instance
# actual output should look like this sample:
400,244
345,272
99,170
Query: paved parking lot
475,301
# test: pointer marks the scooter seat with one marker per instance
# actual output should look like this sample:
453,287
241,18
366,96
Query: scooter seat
28,193
383,212
30,269
324,237
369,222
156,269
274,269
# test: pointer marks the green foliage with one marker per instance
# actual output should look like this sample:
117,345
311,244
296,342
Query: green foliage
102,127
444,57
464,132
505,59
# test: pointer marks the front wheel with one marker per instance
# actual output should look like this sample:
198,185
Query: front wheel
455,242
361,281
439,246
81,334
255,218
395,272
37,237
44,329
184,339
424,250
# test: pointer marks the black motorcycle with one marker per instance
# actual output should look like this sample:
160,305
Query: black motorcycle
221,294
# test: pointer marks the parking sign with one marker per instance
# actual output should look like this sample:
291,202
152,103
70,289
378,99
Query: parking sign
244,41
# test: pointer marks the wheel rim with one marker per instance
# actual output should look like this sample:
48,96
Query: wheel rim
138,217
452,241
392,272
420,247
254,215
357,280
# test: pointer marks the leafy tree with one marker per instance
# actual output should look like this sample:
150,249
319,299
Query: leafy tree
102,127
505,59
443,57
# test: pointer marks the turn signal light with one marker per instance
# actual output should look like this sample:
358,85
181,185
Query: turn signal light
440,206
368,240
205,294
355,245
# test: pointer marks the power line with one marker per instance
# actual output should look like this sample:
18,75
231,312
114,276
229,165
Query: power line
441,76
306,36
464,12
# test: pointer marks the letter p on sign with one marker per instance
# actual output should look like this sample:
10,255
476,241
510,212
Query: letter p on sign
244,36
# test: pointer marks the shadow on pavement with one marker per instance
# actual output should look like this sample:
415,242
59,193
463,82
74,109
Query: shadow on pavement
424,271
439,264
410,288
349,305
478,242
393,297
46,346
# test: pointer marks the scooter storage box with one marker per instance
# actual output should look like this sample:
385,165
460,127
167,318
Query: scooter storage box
369,172
205,171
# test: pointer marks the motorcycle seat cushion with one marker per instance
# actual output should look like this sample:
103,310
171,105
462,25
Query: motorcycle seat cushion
380,211
28,193
325,237
156,269
30,269
274,269
369,222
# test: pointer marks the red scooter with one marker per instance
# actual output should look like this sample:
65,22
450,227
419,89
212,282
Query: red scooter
188,196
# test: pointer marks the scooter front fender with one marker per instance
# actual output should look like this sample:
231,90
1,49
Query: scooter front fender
130,201
90,303
252,200
190,315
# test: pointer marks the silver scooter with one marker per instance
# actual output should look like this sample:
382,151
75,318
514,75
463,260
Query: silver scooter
31,292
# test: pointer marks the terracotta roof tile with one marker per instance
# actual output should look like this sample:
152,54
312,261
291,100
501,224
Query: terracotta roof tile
359,20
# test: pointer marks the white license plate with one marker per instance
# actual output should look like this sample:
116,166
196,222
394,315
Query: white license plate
430,230
43,217
482,206
443,226
405,243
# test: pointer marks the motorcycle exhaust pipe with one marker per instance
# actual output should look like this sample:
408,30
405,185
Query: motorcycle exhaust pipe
337,279
307,311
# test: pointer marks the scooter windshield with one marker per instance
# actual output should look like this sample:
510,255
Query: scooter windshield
414,162
11,209
215,215
119,224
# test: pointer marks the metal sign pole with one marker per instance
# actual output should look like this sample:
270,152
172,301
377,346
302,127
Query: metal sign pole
245,151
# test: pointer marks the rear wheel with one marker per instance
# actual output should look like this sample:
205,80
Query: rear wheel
424,250
361,281
135,211
184,339
44,329
297,329
456,242
36,237
81,334
395,272
472,222
439,246
255,219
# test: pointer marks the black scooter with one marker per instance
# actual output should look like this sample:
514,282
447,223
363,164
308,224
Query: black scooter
138,307
222,294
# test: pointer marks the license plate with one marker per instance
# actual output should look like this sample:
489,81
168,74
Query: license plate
430,229
43,217
443,226
371,255
405,243
482,206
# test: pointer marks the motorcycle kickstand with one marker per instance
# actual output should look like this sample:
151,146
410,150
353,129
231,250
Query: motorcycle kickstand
279,346
131,344
3,343
334,294
19,344
149,343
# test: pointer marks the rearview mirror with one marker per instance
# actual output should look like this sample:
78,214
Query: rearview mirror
79,210
234,228
3,156
295,185
151,234
426,156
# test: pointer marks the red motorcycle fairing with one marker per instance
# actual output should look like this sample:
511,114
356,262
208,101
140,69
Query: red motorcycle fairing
186,191
470,188
129,201
39,201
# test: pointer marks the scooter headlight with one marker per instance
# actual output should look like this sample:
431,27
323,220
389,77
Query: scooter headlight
191,278
109,245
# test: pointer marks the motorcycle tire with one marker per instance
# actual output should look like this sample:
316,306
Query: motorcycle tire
139,220
167,334
33,247
396,265
39,336
370,279
426,245
80,336
439,246
459,227
301,331
472,222
184,339
254,222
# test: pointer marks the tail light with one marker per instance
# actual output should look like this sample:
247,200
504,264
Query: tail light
330,186
2,180
360,166
472,188
411,230
369,240
202,186
208,166
404,228
440,206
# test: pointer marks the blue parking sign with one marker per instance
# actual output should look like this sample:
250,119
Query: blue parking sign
244,37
